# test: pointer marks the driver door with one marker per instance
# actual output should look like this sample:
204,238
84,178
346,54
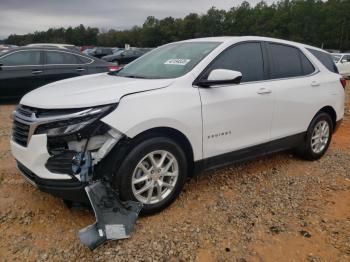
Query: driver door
237,117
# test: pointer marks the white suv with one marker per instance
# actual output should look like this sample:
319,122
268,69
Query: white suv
184,107
342,61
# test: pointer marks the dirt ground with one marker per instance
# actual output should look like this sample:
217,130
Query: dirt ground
278,208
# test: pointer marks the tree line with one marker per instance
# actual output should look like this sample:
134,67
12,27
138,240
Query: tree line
323,24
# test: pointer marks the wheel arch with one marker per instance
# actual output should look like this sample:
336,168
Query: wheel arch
333,114
171,133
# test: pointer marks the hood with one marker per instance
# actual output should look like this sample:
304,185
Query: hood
91,90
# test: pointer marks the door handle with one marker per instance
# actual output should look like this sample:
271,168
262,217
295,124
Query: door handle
263,91
315,83
80,69
35,72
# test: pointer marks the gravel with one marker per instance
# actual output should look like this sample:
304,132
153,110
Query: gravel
278,207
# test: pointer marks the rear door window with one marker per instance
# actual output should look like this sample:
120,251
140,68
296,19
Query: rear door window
325,58
286,61
289,61
246,58
21,58
60,58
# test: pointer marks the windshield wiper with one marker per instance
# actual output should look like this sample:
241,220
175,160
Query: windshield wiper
134,76
115,73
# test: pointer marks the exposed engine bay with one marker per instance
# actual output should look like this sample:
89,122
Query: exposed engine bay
115,219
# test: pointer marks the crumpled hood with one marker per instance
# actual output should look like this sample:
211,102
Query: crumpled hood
90,90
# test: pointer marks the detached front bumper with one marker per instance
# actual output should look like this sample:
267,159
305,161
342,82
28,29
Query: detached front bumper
71,189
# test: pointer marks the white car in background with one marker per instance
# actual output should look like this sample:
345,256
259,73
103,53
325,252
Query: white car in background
183,107
342,61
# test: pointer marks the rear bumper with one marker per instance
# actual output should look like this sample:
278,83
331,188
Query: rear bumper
71,190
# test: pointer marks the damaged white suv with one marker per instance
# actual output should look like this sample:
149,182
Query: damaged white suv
183,107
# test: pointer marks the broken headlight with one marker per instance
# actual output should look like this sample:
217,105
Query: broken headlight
72,123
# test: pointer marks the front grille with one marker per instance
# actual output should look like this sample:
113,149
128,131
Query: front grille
20,133
21,124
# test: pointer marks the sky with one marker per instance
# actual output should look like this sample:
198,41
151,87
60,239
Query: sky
26,16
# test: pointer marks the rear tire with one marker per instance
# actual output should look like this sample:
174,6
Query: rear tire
152,173
318,137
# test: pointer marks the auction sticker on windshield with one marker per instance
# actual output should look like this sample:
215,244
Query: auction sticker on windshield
177,62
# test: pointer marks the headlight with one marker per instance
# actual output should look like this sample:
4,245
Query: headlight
69,124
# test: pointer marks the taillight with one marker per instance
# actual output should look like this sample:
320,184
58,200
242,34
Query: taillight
343,82
114,68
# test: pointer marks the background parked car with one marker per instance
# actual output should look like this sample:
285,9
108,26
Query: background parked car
85,47
62,46
125,56
101,51
87,51
342,61
6,48
24,69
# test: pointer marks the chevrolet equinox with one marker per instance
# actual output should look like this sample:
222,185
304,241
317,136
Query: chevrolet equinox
183,107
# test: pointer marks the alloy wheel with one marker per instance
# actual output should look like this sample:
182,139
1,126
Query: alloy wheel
320,136
155,177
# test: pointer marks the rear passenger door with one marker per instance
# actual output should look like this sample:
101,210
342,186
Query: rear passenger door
296,88
61,65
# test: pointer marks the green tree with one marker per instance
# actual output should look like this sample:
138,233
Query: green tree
315,22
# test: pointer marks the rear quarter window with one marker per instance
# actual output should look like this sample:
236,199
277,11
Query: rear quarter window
60,58
325,58
84,60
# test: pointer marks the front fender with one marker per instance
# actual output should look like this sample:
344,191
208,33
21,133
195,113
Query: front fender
171,108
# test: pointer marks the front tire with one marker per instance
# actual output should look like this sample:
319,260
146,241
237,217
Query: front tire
153,173
318,137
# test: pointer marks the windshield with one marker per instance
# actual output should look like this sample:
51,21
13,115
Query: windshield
336,58
117,50
169,61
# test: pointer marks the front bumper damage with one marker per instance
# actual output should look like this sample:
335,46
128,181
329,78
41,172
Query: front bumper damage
114,219
76,168
71,190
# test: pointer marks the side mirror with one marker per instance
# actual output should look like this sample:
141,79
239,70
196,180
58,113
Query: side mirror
221,77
